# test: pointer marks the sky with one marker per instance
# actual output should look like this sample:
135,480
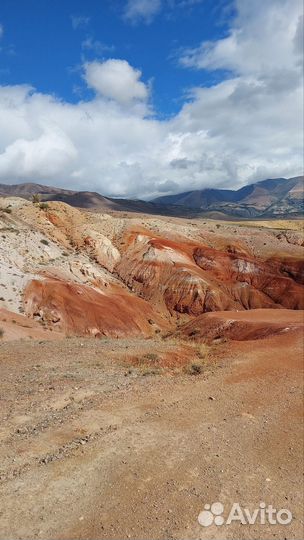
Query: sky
141,98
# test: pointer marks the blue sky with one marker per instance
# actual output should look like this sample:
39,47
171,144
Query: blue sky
138,98
47,41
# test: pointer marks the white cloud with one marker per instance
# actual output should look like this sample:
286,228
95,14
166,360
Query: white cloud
47,155
80,21
141,10
116,79
1,30
246,128
260,39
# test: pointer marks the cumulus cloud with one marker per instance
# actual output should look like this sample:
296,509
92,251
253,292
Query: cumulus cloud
261,39
245,128
46,155
116,79
141,10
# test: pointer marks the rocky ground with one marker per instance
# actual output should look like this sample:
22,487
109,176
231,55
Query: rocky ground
104,439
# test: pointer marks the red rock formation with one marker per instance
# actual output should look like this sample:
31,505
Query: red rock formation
263,282
292,268
164,273
182,270
242,326
81,310
187,278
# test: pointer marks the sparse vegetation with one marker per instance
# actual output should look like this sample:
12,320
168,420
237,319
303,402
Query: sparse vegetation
36,198
151,357
6,210
148,372
43,206
193,369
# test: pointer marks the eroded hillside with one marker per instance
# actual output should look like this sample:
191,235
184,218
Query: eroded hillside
84,273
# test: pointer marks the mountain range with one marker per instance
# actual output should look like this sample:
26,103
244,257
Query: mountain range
268,198
279,197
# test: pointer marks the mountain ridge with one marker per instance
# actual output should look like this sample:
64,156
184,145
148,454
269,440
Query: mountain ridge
270,198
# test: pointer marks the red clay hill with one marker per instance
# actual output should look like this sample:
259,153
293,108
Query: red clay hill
96,274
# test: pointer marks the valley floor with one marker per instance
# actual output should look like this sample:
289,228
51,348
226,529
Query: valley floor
97,444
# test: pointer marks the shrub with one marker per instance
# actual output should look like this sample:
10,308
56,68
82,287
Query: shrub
43,206
1,333
36,198
193,369
151,357
44,242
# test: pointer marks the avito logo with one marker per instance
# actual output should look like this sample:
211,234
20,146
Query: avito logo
213,514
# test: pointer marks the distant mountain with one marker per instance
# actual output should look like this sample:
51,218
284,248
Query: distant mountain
268,198
29,189
90,200
279,197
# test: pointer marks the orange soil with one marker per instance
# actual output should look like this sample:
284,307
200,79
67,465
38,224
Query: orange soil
244,325
17,326
81,310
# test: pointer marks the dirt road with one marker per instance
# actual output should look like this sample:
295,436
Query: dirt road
93,448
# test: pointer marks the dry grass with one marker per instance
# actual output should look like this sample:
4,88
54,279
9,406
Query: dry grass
285,224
